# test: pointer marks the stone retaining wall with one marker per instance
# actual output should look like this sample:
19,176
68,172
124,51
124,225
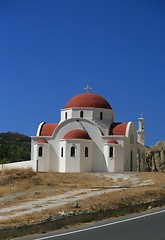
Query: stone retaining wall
54,224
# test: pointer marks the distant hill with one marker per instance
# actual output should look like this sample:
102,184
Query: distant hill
158,146
14,147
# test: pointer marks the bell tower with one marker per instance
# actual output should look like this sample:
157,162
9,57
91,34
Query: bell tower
140,132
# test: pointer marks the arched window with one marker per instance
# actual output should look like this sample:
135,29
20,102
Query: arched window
111,152
66,115
62,152
72,151
86,151
81,114
40,151
101,115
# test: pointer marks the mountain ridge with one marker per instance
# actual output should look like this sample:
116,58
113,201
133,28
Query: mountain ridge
14,147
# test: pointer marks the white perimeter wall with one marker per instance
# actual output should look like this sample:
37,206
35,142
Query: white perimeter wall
25,164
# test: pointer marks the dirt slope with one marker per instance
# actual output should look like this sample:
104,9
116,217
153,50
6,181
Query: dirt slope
26,196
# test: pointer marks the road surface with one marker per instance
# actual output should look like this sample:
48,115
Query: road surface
144,226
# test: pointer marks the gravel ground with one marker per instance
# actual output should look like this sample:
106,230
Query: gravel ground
56,200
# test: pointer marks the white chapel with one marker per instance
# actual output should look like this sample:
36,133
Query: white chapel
87,139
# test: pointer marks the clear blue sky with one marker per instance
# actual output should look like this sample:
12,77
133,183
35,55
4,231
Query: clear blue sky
51,49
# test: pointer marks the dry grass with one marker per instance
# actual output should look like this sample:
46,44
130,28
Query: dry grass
18,180
25,185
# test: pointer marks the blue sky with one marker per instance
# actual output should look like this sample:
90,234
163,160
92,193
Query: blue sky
51,49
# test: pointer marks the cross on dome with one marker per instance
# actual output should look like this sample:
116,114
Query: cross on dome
87,88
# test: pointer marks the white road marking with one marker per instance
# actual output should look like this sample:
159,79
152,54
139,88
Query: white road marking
101,226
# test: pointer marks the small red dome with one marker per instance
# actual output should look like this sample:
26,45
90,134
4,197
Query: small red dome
76,134
87,100
47,129
118,129
112,141
42,141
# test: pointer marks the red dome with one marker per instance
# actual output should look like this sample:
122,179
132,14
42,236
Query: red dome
42,141
77,134
87,100
118,129
112,141
47,129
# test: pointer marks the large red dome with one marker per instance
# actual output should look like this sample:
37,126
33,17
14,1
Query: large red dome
87,100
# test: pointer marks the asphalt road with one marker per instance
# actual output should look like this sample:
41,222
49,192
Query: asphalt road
145,226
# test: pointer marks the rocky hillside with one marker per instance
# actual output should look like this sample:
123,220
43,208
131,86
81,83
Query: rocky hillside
156,157
14,147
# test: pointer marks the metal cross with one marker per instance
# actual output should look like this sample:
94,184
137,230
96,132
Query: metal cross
87,88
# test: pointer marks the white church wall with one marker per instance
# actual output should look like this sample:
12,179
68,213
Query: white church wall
95,134
130,156
46,157
99,162
62,156
110,162
126,155
107,115
77,163
130,148
90,114
83,124
38,162
87,113
61,130
72,162
86,161
120,154
131,132
75,113
32,149
114,163
141,151
66,114
119,164
35,156
43,160
54,156
98,156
